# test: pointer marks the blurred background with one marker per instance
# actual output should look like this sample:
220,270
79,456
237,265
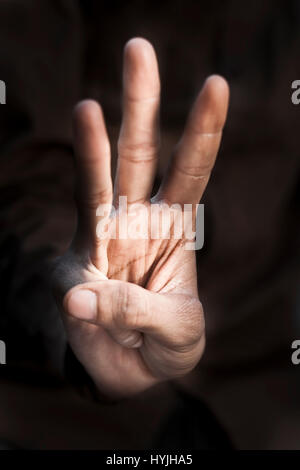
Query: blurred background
245,392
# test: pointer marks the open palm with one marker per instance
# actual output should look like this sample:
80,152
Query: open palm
130,302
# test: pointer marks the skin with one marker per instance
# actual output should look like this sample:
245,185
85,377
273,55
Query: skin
130,307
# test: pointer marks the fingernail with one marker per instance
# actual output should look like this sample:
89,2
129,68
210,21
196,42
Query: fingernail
82,304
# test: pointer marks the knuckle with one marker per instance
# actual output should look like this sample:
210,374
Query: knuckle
137,152
124,305
199,171
191,324
129,311
93,200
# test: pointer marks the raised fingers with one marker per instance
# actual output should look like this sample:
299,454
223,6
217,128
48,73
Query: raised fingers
92,154
195,155
139,136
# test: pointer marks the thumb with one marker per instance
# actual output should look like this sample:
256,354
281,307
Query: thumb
127,310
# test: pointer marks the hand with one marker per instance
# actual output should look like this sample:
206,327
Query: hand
130,306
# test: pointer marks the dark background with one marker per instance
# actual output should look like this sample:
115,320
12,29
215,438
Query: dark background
55,52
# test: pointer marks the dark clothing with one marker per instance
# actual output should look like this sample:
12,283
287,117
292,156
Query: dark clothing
54,53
